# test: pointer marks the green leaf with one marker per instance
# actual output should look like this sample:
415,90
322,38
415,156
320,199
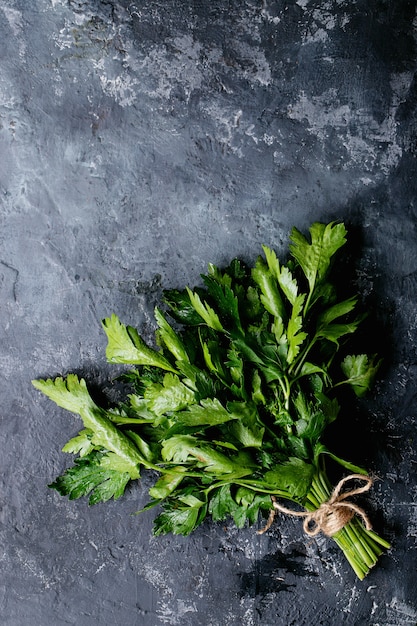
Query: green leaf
246,429
360,372
278,329
272,262
226,302
302,407
309,369
167,483
191,500
172,395
181,521
221,277
178,448
248,349
235,365
181,308
253,306
294,475
121,417
294,334
222,504
250,436
330,407
313,428
208,359
201,381
217,463
314,258
258,397
183,448
351,467
270,296
208,315
72,394
288,284
88,475
337,310
333,332
283,419
126,346
167,337
282,275
249,505
214,358
115,462
113,486
80,444
209,412
145,449
69,393
225,444
140,407
298,447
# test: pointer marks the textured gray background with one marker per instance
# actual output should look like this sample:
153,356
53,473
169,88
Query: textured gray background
138,142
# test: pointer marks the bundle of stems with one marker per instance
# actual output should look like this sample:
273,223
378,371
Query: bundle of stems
360,544
231,406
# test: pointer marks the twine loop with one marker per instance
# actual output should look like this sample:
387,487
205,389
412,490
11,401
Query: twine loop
331,516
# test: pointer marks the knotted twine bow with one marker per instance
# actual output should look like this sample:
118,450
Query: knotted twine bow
331,516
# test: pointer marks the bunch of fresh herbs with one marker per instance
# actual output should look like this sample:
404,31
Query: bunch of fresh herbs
230,406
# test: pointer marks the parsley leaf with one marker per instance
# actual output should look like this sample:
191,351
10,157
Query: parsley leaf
89,475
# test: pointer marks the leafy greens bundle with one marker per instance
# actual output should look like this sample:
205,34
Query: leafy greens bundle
231,406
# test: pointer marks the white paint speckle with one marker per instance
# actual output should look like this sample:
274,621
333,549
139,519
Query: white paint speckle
174,616
102,566
412,522
121,88
274,19
15,21
64,40
31,565
318,35
255,67
320,112
400,84
229,126
372,145
399,610
268,139
321,22
353,597
248,617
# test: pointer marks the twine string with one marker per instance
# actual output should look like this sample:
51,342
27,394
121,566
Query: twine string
331,516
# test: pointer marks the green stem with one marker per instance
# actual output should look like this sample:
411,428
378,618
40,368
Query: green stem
253,485
286,390
360,546
298,363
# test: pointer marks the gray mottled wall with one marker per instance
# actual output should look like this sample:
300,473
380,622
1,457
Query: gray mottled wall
138,142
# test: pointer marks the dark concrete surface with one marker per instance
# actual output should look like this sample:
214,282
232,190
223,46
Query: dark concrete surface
138,142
